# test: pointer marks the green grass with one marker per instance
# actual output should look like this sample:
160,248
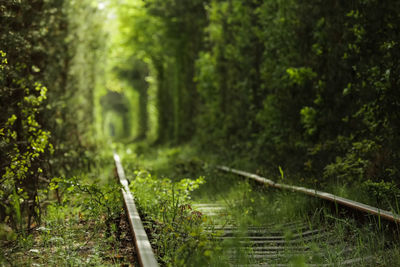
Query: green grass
252,204
266,206
68,237
82,230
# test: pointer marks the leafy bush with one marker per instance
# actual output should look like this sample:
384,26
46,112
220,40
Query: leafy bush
385,193
45,43
176,230
23,142
100,202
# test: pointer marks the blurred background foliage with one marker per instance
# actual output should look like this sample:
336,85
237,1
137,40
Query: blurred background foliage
307,85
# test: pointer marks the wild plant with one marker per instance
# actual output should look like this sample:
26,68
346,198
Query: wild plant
175,228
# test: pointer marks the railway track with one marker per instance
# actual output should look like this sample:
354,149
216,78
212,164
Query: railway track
287,243
142,245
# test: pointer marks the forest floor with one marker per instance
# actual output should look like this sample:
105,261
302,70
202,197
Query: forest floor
87,228
250,204
67,238
77,233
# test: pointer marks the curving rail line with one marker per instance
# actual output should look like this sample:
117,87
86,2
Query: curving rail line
142,244
266,243
322,195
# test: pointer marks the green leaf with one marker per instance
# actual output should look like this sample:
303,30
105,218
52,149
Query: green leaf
281,172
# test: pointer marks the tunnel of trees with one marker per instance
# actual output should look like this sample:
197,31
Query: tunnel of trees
115,113
311,86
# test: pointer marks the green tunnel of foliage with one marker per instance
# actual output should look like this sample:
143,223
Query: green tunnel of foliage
308,85
311,86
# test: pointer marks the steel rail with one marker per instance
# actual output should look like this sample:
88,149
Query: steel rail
323,195
142,244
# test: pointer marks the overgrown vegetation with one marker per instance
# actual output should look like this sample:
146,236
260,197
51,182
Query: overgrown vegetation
47,80
302,90
175,229
52,212
87,226
248,205
308,86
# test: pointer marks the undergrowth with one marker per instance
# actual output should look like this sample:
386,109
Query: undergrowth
83,224
251,204
176,231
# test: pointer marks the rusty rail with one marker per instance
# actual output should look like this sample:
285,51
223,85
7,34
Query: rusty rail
144,251
323,195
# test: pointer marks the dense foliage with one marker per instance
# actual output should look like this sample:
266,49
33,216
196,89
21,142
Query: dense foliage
311,86
49,63
169,34
175,228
